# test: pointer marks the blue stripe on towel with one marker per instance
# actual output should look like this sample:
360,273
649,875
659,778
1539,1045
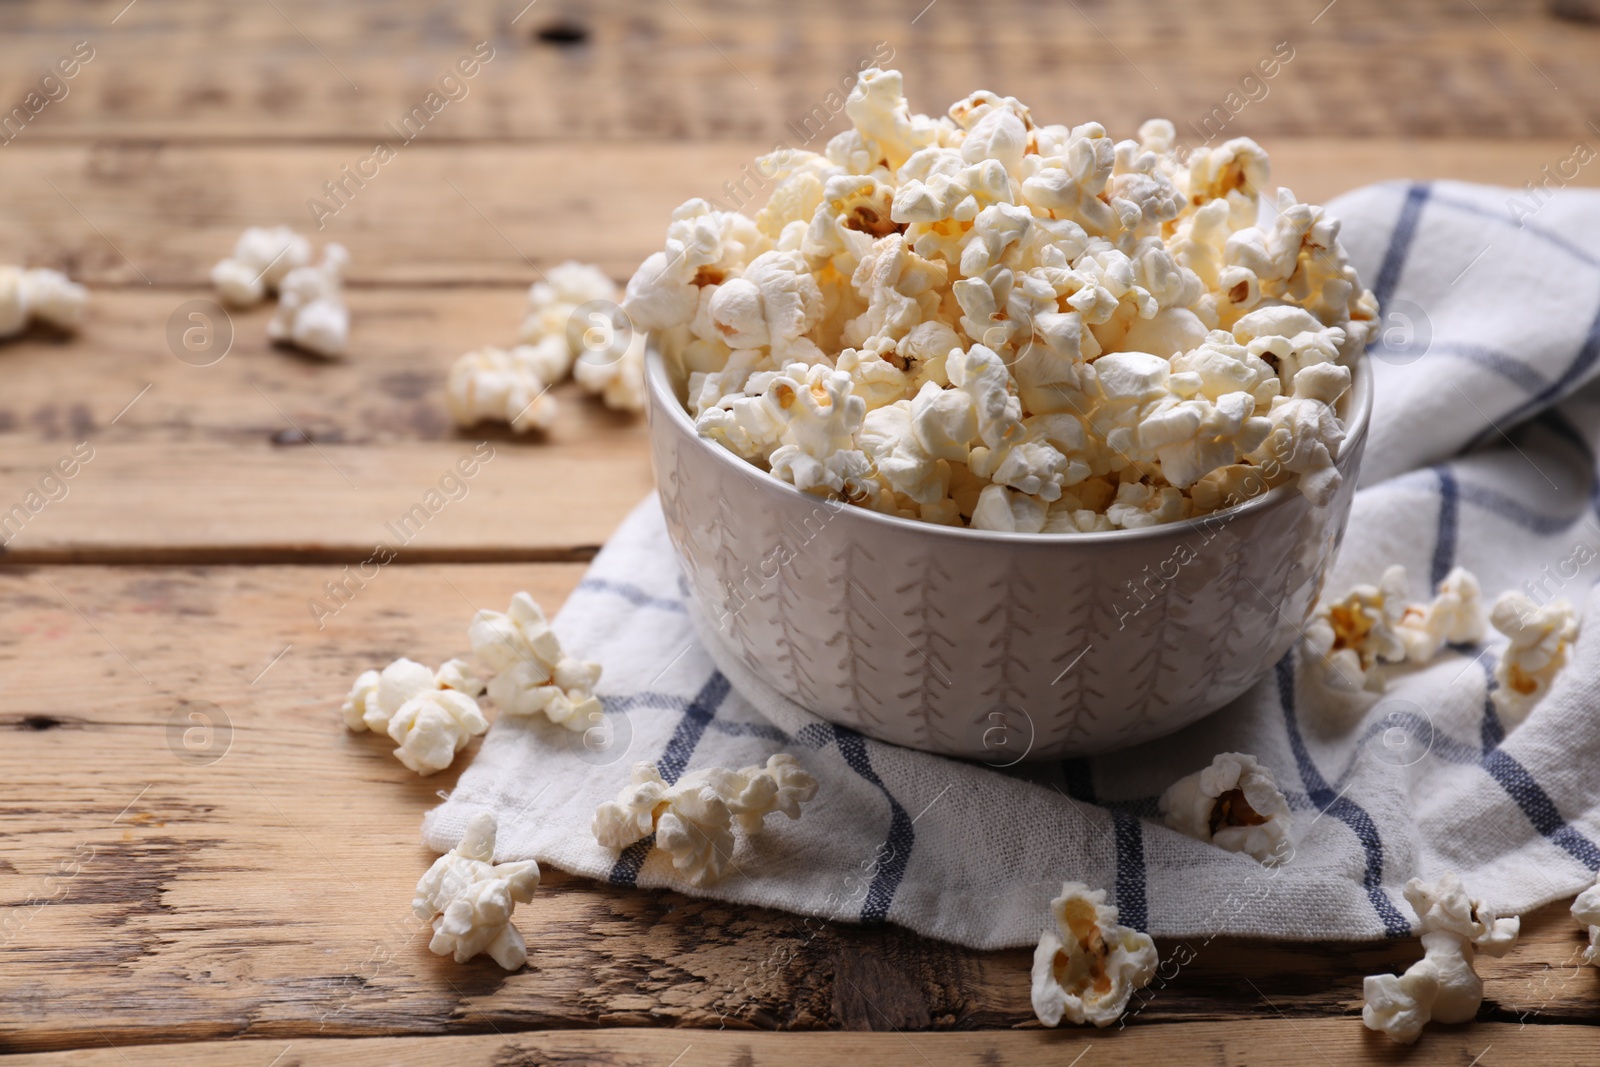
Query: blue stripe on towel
1548,236
1513,510
895,853
1341,808
1444,542
1133,909
1504,364
632,594
1539,808
1400,241
701,710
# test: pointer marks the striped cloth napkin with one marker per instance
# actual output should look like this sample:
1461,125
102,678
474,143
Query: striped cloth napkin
1482,455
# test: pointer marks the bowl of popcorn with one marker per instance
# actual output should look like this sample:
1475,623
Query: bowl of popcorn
1005,440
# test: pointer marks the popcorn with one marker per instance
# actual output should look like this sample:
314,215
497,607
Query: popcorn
433,726
1586,910
970,273
563,289
693,820
1235,804
40,295
468,899
531,674
1454,616
376,696
1541,638
311,314
755,792
1442,986
261,259
1086,969
492,383
600,349
696,831
1351,636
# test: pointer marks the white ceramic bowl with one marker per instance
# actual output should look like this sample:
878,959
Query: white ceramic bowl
991,645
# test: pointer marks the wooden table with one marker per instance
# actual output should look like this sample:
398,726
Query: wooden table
252,909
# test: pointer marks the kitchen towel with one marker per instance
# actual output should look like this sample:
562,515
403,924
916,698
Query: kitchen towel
1482,454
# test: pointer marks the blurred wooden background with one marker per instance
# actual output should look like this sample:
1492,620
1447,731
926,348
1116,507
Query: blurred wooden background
147,899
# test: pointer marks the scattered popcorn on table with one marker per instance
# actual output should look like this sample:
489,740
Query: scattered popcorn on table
468,899
433,726
492,384
261,258
377,695
1454,616
694,819
311,314
531,675
1086,969
564,288
1234,804
430,714
1351,636
42,295
1442,986
1019,327
1586,910
1541,638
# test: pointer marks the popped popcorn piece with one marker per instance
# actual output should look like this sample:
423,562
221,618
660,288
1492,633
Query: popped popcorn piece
1455,616
694,819
433,726
753,793
614,373
1234,804
261,259
1541,637
1442,986
1586,910
39,295
992,271
376,696
311,314
553,299
696,830
1351,636
1086,969
53,298
531,675
468,899
632,816
520,634
500,385
1304,438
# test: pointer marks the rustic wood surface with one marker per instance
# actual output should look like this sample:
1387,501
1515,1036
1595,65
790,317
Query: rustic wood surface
150,895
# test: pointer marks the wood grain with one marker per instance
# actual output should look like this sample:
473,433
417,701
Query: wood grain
143,214
151,894
214,463
1333,1041
700,70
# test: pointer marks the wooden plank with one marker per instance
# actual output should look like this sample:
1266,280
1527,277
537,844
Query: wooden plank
717,69
265,893
1335,1041
128,213
209,463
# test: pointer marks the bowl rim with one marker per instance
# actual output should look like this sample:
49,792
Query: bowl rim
662,396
